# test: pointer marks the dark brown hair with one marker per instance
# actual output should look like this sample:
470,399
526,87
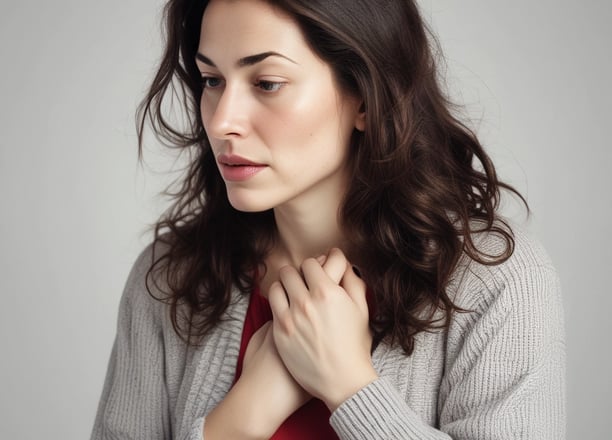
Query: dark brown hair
421,182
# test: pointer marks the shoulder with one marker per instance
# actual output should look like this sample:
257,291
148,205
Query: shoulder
527,273
517,301
142,290
515,305
148,295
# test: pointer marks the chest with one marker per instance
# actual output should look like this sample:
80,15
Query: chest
197,381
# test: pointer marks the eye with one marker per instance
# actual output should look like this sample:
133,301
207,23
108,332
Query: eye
211,82
269,86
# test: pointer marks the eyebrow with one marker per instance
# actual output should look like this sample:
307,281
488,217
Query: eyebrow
246,61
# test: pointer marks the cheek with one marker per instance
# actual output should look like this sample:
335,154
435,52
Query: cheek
206,112
307,121
206,115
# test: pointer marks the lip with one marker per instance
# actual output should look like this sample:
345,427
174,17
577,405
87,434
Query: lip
236,168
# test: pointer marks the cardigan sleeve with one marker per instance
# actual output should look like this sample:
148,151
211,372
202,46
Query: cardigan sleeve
504,368
134,401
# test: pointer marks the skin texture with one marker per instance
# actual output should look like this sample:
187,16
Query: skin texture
286,114
297,123
321,328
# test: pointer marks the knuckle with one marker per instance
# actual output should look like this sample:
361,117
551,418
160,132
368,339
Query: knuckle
320,293
276,287
305,306
308,262
285,270
286,325
336,252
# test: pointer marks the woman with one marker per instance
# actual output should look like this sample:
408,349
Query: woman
333,265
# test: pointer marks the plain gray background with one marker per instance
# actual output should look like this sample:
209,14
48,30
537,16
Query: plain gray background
535,79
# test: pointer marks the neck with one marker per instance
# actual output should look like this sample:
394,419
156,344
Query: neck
308,230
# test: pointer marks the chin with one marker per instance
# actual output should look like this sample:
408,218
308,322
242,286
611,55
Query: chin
248,204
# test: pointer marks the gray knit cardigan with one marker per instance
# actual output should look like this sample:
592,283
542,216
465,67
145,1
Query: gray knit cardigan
497,373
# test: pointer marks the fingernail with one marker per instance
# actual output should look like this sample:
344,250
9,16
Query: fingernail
357,271
321,259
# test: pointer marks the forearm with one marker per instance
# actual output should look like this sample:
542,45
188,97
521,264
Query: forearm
234,419
246,413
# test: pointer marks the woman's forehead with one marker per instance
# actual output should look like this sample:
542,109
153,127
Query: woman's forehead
233,32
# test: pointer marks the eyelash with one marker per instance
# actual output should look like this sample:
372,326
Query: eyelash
263,85
205,80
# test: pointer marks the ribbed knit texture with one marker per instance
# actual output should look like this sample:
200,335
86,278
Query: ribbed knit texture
498,373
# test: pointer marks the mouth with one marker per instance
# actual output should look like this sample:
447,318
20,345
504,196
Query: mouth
232,160
238,169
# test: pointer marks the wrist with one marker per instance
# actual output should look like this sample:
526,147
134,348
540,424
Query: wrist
239,416
348,386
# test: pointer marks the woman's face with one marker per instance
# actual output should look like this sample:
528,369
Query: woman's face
278,124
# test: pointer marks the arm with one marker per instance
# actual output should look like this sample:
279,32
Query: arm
135,399
504,372
261,400
321,327
134,402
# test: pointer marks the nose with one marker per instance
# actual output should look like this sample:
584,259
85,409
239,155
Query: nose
227,117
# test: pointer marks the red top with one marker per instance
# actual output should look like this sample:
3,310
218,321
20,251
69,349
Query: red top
309,421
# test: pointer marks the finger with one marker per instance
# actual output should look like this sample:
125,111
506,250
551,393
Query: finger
277,298
335,265
293,283
355,288
317,280
282,321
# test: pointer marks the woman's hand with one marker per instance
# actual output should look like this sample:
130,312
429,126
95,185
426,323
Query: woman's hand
320,327
262,398
272,385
